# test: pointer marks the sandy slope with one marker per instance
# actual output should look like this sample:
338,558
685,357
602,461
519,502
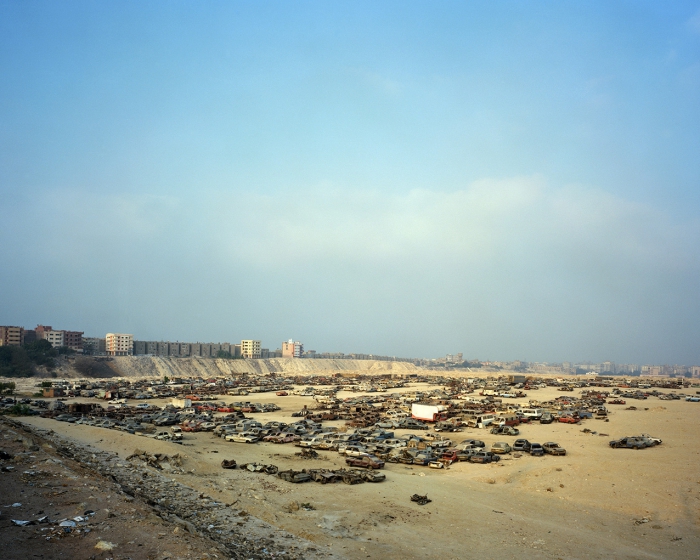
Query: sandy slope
579,506
157,366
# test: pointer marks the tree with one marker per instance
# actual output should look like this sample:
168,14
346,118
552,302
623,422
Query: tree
41,353
7,388
223,354
14,362
20,410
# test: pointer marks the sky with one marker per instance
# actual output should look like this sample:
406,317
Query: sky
509,180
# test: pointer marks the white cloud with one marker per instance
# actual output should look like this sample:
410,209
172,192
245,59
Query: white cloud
487,221
515,266
478,224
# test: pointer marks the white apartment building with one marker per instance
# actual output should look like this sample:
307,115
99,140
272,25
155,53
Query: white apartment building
55,338
251,348
118,344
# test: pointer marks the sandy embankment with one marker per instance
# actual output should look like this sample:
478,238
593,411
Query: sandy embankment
159,366
579,506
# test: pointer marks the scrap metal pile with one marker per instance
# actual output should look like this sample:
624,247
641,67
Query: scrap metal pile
322,476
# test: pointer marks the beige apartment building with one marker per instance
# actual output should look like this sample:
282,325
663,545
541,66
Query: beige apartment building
292,349
119,344
11,336
250,349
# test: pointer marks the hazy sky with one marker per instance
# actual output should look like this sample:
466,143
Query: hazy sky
510,180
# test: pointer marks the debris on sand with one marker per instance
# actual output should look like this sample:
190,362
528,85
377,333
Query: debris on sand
105,545
420,500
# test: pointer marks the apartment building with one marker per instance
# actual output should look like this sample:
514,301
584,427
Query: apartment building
184,349
251,348
292,349
11,336
56,338
94,346
74,340
41,330
119,344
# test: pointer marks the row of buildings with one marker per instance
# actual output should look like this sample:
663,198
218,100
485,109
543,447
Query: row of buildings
18,336
601,368
246,349
122,344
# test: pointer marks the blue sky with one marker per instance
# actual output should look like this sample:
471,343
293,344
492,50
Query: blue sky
510,180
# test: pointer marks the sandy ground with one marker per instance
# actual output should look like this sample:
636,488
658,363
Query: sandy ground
583,505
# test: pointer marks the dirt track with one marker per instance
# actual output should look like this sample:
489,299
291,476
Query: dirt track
44,483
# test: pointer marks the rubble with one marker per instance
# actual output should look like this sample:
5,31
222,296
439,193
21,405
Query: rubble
307,453
244,536
155,459
420,500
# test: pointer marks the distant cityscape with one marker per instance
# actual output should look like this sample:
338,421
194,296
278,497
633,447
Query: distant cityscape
121,344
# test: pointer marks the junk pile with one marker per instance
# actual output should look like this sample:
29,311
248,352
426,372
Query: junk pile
307,453
259,467
420,500
155,460
322,476
61,528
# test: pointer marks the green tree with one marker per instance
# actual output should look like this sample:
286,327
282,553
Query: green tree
14,362
7,388
41,353
20,410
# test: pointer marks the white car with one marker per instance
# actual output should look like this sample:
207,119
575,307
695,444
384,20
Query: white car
241,438
353,451
164,436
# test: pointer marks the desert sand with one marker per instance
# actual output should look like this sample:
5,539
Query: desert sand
588,504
